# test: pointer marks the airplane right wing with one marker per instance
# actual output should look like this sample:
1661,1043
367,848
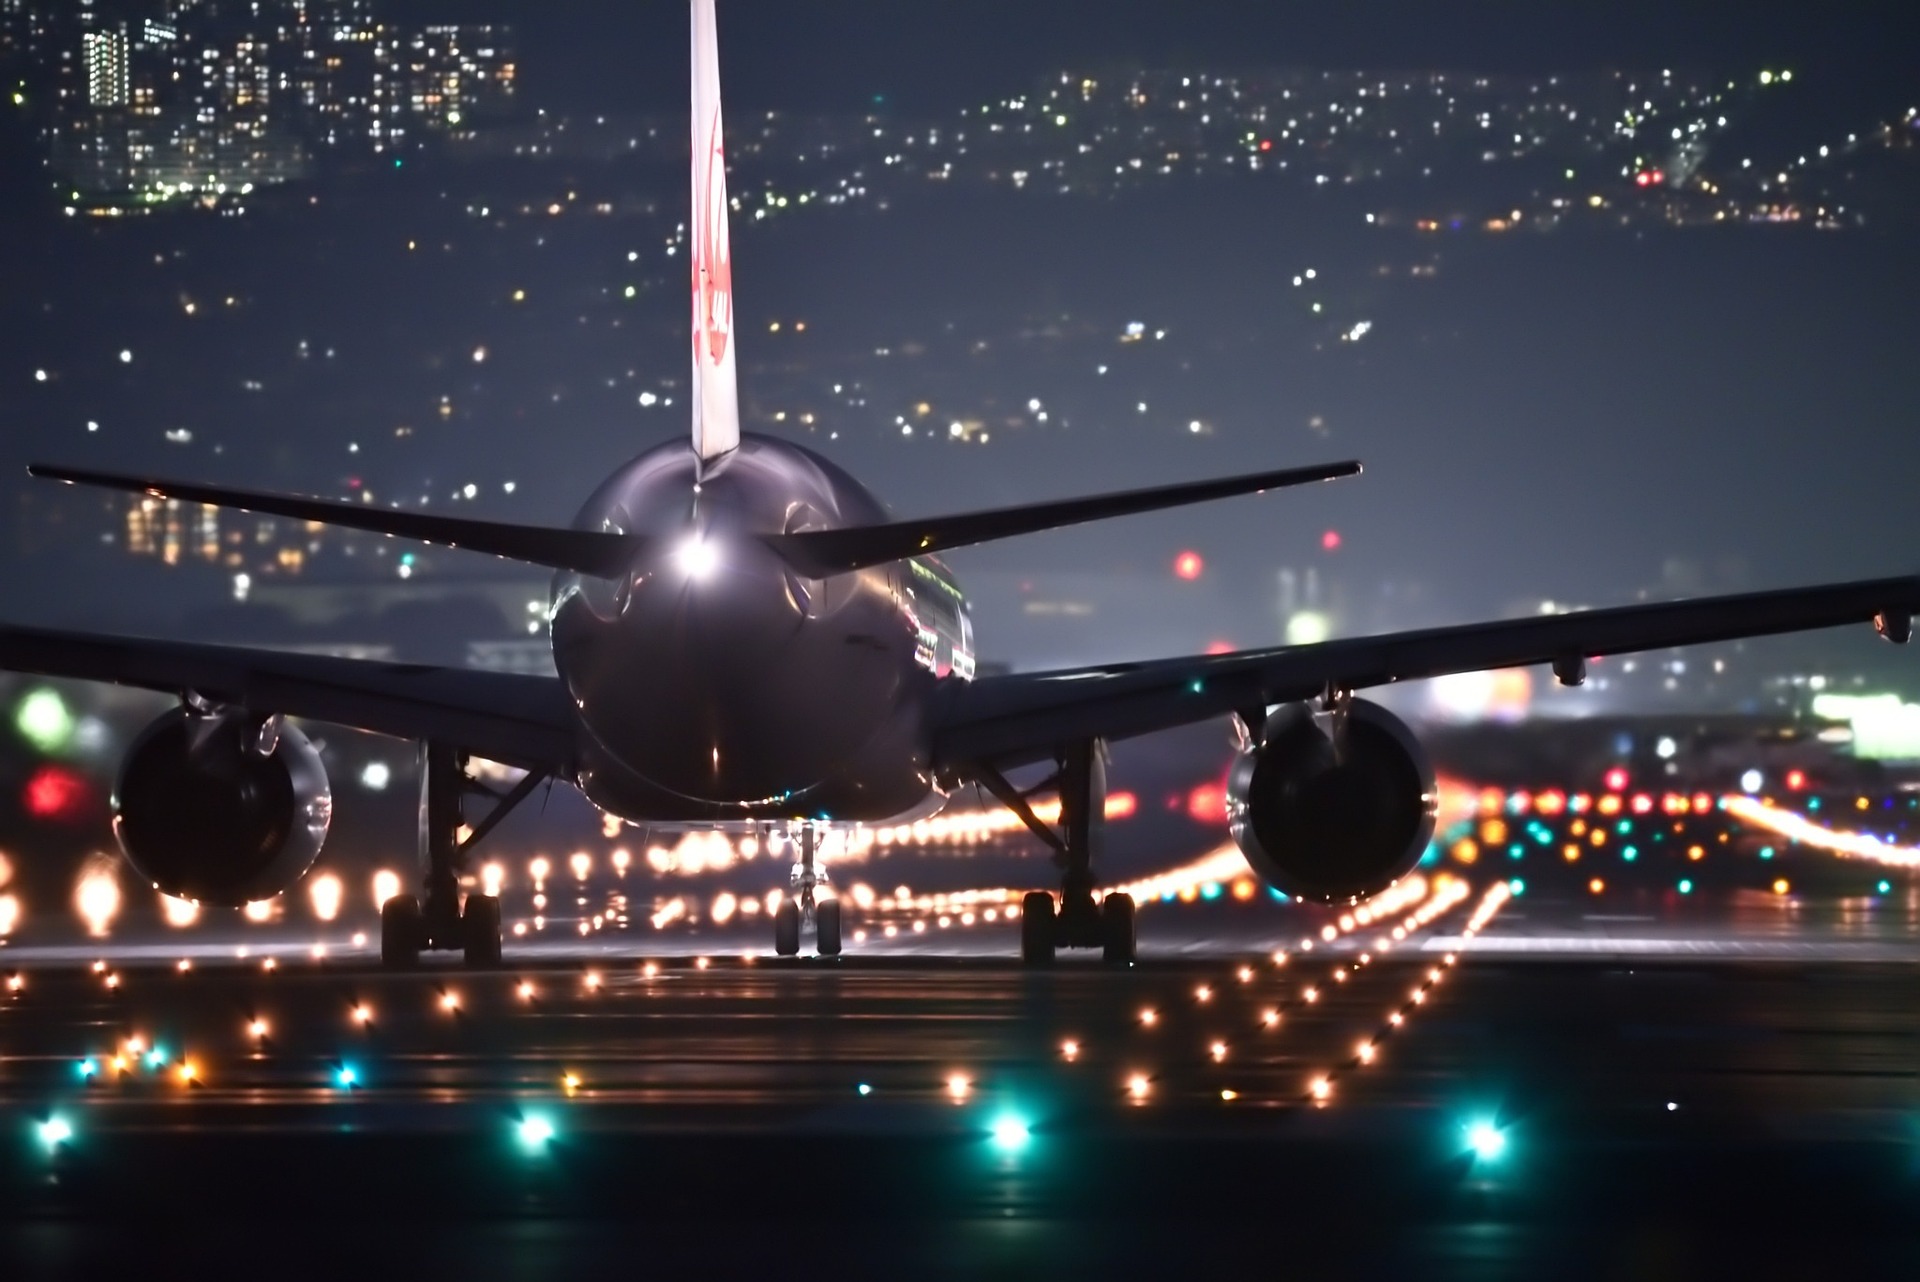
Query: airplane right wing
1025,717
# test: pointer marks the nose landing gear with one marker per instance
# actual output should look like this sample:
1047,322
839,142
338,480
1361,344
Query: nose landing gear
803,906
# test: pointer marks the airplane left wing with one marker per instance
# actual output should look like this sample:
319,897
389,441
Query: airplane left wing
516,720
1011,720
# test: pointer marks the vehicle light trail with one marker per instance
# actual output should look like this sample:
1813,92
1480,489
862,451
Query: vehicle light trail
1797,827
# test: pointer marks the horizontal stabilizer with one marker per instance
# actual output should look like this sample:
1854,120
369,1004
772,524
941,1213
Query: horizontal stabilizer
818,553
586,551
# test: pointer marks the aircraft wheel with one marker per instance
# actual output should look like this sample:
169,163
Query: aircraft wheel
786,928
1036,928
480,931
402,930
1116,929
826,927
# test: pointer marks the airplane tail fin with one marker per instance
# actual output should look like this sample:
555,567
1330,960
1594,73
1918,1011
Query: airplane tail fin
716,396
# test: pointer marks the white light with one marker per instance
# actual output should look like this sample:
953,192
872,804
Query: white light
97,897
1011,1134
386,884
697,557
55,1131
126,357
375,776
1665,748
1750,781
1486,1140
536,1131
326,892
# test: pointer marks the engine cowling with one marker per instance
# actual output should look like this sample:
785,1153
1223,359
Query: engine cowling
1327,824
219,808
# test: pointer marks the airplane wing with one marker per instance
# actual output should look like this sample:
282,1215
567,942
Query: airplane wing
587,551
516,720
815,553
1011,720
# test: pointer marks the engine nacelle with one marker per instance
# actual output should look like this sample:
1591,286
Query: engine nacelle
1332,823
219,808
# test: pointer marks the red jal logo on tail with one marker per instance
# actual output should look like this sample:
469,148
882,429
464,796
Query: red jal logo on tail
713,264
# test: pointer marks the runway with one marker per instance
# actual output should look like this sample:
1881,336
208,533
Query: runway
1328,1110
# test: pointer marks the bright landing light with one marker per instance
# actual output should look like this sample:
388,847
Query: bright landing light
697,557
1486,1141
55,1131
536,1132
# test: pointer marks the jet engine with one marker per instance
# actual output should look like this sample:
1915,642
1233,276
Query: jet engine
221,807
1332,809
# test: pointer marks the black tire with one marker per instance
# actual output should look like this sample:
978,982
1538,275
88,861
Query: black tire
480,931
786,928
826,927
402,931
1037,928
1116,929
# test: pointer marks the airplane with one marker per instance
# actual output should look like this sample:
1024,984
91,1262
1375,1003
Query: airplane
744,638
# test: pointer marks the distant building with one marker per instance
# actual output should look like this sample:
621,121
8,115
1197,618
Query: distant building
154,102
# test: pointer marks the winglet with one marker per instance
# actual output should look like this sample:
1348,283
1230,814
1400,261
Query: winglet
716,395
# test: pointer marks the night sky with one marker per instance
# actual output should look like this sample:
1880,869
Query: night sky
615,54
1577,416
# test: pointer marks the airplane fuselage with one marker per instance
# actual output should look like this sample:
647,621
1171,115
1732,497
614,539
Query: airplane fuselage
713,684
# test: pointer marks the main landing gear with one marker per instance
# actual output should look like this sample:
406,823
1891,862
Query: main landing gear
410,924
801,905
1078,920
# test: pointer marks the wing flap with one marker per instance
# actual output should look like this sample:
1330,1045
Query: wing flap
1024,717
587,551
517,720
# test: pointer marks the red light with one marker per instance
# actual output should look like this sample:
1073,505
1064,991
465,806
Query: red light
1616,780
1796,780
1207,804
1330,541
1188,565
53,792
1121,805
1266,144
1644,178
1219,647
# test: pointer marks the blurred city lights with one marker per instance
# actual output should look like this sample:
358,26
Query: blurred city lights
43,720
55,1131
959,1086
536,1132
55,792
